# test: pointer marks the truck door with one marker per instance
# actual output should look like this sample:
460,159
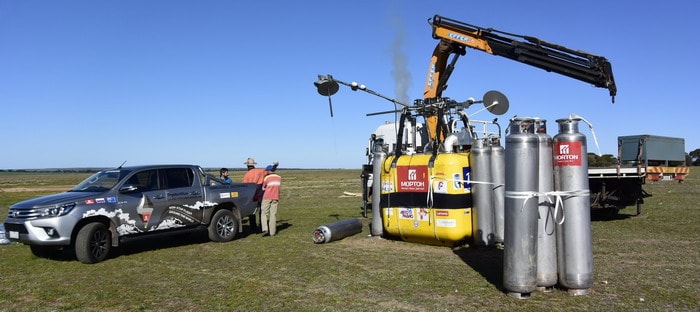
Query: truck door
143,203
184,197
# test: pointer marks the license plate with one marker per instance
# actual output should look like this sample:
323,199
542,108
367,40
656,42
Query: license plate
14,234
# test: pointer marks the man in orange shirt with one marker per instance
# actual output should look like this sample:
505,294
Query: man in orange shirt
271,196
255,175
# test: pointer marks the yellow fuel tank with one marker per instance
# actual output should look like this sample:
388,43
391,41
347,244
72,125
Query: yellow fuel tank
427,199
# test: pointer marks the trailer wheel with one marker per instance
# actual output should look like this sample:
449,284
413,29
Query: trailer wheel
93,243
223,226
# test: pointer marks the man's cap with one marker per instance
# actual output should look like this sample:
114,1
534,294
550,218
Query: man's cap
250,162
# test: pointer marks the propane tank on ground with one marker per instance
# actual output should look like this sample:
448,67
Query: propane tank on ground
337,230
546,226
574,244
520,250
482,210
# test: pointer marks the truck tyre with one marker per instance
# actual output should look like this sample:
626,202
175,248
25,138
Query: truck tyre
223,226
93,242
45,251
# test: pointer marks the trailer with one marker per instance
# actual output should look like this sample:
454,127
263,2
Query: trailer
615,188
641,158
663,157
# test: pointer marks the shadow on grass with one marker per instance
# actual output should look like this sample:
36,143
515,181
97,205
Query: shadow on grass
248,231
284,224
487,261
598,215
336,216
138,244
59,254
157,241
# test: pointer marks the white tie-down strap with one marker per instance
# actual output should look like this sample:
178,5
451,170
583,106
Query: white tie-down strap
527,195
558,201
464,182
560,196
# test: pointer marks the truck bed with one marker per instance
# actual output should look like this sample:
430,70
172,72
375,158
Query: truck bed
615,188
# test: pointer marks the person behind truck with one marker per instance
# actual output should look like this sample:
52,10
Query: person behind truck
223,178
255,175
271,196
223,175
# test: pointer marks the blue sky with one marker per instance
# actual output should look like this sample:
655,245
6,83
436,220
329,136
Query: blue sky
98,83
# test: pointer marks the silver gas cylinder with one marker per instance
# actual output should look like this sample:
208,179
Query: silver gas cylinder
546,226
574,244
482,209
498,177
520,244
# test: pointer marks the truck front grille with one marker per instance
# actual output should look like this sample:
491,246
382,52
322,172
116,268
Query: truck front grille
24,213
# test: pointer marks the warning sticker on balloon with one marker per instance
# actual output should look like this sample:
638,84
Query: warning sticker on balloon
567,154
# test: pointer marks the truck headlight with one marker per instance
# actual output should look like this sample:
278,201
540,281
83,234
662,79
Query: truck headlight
58,210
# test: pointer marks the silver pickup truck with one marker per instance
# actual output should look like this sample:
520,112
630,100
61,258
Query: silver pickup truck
115,204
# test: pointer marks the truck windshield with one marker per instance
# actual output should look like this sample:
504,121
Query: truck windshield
101,181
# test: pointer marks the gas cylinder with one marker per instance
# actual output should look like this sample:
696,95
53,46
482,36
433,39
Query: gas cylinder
377,228
498,177
337,230
574,245
520,244
482,210
546,226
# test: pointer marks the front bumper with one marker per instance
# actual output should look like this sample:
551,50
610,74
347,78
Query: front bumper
48,232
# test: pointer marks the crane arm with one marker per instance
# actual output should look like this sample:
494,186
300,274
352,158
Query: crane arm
455,36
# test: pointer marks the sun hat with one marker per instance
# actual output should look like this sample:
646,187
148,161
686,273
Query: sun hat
250,162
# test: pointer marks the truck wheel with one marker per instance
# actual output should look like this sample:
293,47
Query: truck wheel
223,226
45,251
93,243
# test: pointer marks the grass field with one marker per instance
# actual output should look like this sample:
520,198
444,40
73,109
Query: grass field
641,263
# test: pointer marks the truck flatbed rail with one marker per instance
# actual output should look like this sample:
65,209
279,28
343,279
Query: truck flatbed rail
629,172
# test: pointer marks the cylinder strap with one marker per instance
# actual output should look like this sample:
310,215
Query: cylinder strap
560,196
558,201
464,182
527,195
553,197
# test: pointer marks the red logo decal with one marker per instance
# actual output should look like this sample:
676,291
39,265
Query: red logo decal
412,178
567,154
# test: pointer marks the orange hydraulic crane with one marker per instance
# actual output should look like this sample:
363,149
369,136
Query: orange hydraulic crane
455,36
